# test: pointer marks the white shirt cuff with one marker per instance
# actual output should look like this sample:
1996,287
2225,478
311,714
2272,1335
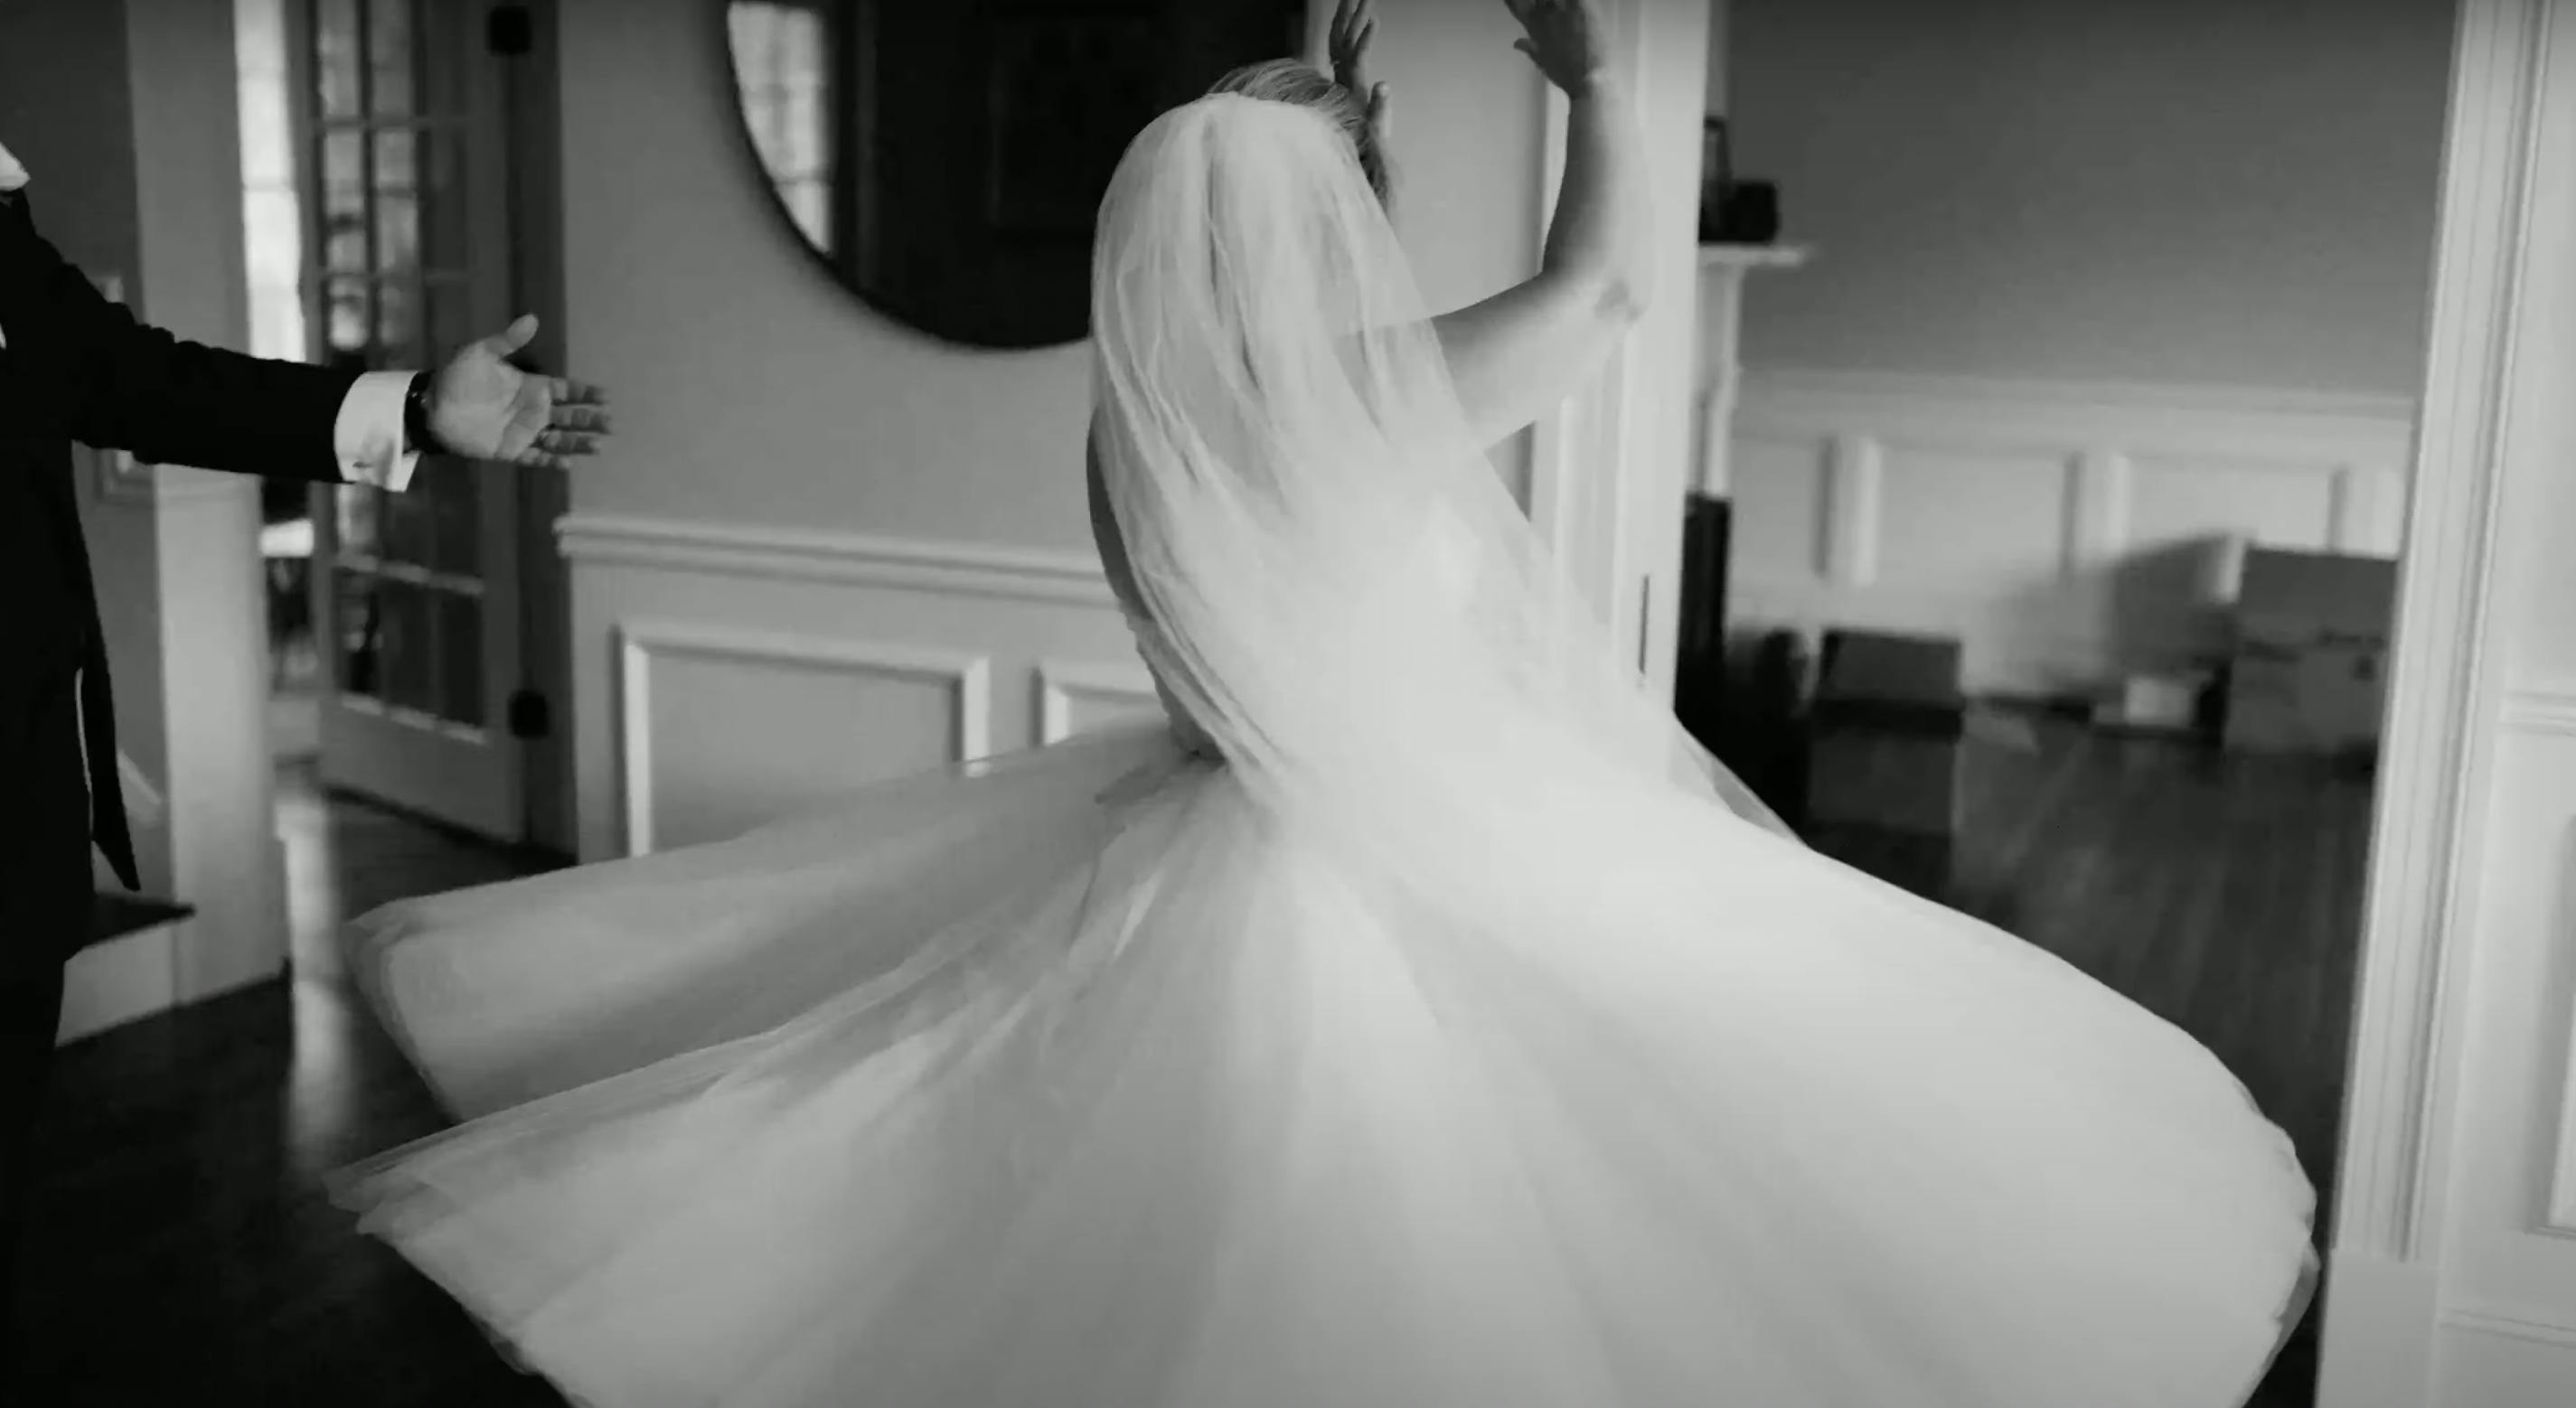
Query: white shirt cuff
369,435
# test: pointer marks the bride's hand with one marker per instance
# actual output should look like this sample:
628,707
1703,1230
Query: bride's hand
1565,40
1354,25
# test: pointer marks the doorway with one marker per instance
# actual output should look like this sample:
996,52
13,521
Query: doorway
2185,663
391,219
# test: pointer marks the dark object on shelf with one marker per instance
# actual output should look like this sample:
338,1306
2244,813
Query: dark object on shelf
1887,726
114,915
1732,211
1750,215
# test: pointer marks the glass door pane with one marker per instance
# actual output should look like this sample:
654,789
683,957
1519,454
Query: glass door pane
418,587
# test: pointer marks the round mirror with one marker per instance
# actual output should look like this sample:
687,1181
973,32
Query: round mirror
944,158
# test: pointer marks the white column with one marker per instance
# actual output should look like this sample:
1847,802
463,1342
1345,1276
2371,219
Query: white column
207,623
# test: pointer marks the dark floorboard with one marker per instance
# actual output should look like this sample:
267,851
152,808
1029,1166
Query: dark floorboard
187,1251
2222,893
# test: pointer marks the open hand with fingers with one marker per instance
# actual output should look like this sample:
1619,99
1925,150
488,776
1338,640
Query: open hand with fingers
483,407
1565,38
1354,25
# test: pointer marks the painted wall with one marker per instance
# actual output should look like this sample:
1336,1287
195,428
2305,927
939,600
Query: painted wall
2179,191
2102,289
794,471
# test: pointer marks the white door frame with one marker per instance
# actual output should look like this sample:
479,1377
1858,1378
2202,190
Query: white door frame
2382,1290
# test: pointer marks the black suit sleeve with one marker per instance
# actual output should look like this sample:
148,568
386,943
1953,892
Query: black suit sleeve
139,389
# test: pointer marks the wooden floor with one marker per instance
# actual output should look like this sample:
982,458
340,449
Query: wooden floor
186,1250
2222,893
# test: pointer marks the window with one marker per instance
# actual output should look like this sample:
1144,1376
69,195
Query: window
782,65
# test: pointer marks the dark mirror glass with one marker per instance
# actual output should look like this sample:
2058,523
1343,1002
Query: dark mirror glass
945,157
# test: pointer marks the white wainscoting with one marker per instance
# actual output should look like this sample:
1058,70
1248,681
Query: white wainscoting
2065,532
2509,1293
1075,697
835,559
2551,724
728,674
2545,722
766,688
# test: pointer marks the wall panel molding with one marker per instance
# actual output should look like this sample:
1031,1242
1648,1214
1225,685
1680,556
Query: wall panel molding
640,644
1855,494
850,559
1941,397
2066,531
1063,685
2545,712
2498,1322
2548,715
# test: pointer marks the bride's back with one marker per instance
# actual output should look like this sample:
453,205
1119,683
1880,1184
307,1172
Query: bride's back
1289,84
1121,571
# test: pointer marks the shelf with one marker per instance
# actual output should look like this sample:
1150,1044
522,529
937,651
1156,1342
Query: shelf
1753,256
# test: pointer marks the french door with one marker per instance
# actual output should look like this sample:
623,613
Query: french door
407,256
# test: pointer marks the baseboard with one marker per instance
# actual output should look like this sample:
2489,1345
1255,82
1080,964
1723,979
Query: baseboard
113,981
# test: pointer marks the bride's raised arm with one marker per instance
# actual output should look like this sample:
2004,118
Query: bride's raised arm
1518,353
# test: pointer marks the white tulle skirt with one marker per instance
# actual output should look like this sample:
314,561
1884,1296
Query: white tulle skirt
1080,1081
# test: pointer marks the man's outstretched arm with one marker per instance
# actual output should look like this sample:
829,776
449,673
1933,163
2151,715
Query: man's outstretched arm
138,388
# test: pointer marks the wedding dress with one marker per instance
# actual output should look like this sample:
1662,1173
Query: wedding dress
1441,1030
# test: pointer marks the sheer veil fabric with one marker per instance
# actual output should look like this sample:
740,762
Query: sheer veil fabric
1460,1036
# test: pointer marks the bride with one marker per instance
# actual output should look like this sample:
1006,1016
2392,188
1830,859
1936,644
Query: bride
1418,1019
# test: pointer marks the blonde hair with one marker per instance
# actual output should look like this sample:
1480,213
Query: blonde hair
1304,85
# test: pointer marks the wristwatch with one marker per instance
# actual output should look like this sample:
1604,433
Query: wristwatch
417,438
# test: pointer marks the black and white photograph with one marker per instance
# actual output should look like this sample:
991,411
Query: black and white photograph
1288,703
